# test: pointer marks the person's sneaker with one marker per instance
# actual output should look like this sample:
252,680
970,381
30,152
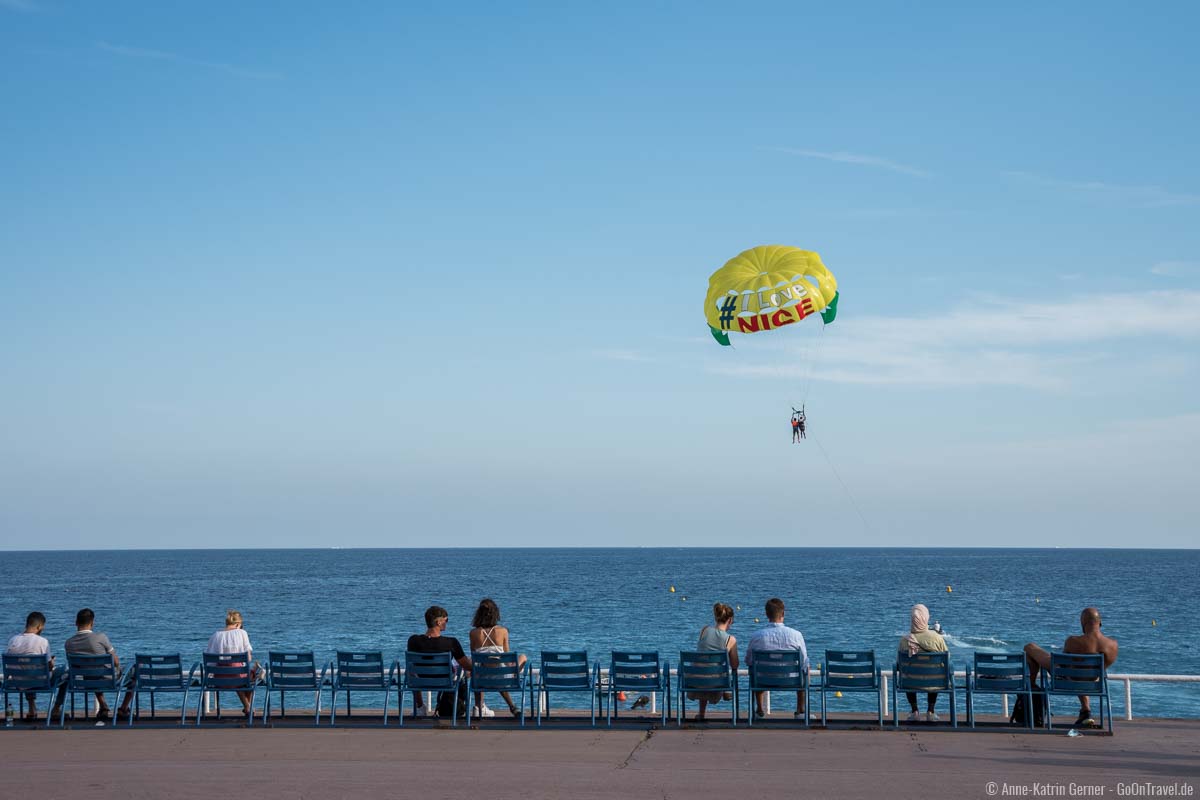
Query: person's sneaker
931,716
1086,721
484,711
420,712
800,715
914,716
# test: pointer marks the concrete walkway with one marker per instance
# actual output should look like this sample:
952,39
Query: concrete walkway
359,762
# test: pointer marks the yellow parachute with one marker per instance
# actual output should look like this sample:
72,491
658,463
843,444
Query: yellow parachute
768,287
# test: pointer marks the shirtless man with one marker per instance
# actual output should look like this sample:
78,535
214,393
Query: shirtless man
1092,641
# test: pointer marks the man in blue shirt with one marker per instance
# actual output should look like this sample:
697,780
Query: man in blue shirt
777,636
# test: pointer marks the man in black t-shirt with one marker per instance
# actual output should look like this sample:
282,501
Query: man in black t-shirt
432,641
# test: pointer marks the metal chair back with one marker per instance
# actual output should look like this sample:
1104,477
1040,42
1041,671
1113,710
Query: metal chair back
923,672
362,672
998,673
161,673
704,671
499,672
566,671
851,671
1074,674
638,671
777,671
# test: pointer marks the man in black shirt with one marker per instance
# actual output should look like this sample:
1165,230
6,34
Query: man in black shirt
432,641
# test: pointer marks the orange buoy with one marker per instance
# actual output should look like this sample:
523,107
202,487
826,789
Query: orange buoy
621,696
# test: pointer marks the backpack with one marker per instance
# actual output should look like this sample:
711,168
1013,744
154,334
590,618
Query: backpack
1019,712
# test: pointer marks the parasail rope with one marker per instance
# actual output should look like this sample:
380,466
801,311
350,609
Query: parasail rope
849,494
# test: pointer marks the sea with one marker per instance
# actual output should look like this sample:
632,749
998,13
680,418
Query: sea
599,599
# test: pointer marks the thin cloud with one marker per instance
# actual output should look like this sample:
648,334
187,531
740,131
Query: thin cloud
1176,269
843,157
1001,342
1141,196
163,55
622,355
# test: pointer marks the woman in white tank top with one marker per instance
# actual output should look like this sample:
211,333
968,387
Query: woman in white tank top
489,636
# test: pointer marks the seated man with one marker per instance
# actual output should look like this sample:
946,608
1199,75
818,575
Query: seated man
88,642
432,641
1090,642
777,636
32,643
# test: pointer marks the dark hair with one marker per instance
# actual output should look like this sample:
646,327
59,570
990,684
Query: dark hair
774,608
487,615
34,619
85,617
722,613
433,614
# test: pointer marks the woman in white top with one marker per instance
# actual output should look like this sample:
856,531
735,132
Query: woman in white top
232,639
489,636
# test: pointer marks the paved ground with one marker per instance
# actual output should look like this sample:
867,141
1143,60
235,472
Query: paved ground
635,762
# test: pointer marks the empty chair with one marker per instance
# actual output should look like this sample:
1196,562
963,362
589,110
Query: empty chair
362,672
851,671
1074,674
227,672
999,673
705,672
430,672
160,674
499,672
777,671
923,672
295,672
31,674
87,673
638,672
566,671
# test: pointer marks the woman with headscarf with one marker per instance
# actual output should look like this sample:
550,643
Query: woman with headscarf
921,640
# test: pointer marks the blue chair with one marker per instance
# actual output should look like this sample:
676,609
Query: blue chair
160,674
566,671
848,671
923,672
777,671
999,673
638,672
226,672
363,672
31,674
1074,674
294,672
705,672
499,672
430,672
89,673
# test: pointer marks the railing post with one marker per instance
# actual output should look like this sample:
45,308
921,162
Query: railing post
884,696
1004,705
1128,701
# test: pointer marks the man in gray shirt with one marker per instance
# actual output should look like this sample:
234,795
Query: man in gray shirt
88,642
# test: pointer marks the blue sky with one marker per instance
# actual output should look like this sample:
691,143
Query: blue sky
387,274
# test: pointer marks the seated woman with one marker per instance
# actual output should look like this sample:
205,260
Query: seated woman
921,640
233,639
713,639
489,636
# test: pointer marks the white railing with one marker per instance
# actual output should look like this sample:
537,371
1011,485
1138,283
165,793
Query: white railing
1127,679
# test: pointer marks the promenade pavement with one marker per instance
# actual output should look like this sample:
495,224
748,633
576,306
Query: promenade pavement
228,759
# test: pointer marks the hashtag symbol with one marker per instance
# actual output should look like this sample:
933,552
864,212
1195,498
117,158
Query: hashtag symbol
727,310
